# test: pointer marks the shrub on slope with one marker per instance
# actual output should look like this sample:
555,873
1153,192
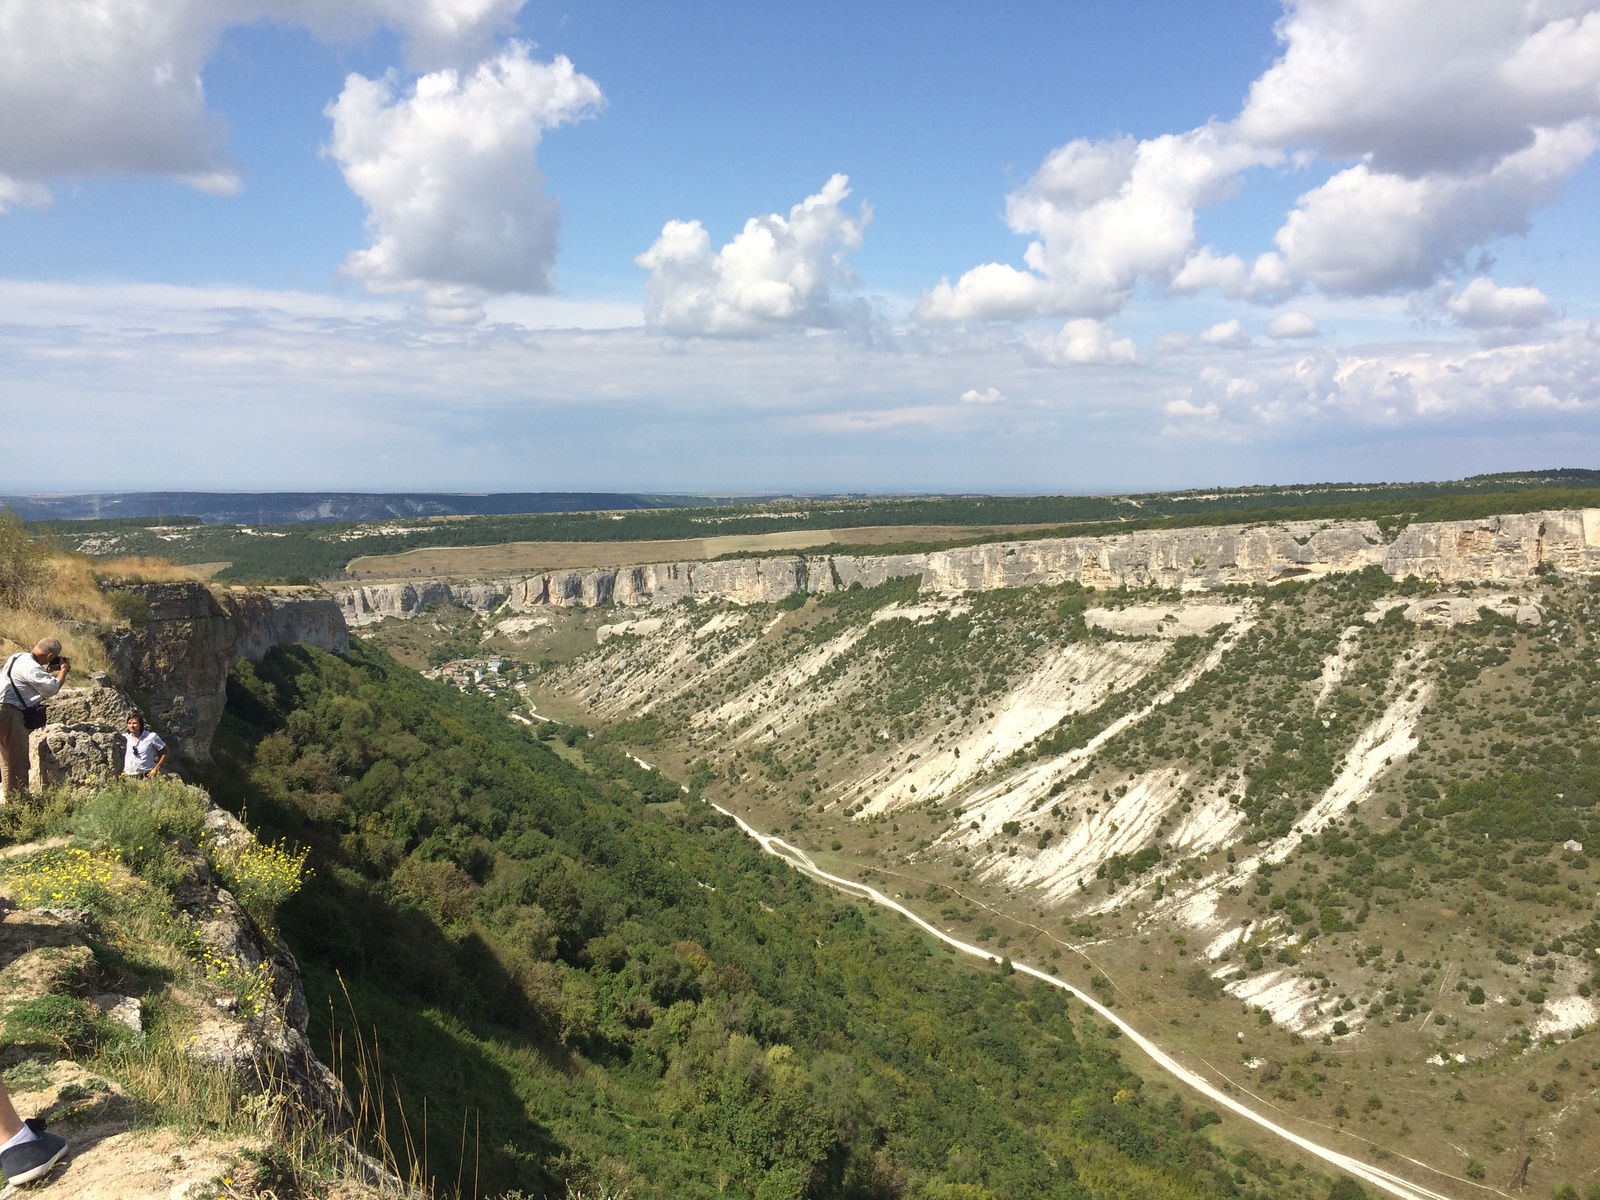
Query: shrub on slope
612,993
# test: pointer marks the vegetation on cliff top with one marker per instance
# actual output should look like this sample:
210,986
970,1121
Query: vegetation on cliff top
45,592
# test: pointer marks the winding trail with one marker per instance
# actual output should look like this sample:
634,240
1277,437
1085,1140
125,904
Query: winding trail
1377,1176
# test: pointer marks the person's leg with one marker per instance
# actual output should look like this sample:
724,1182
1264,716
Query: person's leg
13,753
29,1151
10,1123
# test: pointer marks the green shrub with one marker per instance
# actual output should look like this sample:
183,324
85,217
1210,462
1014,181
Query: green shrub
262,878
35,815
1202,985
138,818
130,608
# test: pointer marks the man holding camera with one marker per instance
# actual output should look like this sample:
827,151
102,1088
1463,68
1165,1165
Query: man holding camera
26,683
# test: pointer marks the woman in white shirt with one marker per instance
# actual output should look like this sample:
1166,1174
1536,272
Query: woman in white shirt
145,753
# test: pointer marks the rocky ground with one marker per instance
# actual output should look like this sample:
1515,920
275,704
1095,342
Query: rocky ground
148,1019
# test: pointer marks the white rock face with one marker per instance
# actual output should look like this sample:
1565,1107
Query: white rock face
1493,549
1163,620
1566,1014
1466,610
642,628
1496,548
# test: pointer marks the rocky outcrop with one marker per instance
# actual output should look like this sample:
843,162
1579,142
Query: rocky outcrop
263,621
267,1048
1497,549
176,664
1188,559
362,605
1502,548
248,1008
79,743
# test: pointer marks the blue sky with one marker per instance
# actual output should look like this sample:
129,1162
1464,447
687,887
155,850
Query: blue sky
320,245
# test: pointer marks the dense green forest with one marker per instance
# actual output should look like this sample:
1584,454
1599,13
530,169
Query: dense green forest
320,551
608,987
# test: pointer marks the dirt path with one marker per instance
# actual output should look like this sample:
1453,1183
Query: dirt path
1391,1183
113,1163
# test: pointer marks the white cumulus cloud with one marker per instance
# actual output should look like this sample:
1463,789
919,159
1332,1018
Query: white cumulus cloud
777,273
113,87
989,395
1265,279
1366,232
1183,406
447,171
1483,304
1291,324
1464,119
1421,87
1104,215
1226,333
1084,341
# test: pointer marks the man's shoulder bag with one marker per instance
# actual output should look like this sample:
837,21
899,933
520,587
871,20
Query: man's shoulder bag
33,715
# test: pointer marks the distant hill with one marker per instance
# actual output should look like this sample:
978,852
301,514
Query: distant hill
295,508
322,508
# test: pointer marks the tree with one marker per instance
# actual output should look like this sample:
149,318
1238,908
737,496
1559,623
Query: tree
23,565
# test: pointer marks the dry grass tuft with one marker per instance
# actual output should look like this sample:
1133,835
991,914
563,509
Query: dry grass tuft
21,629
139,569
64,593
44,594
72,590
47,594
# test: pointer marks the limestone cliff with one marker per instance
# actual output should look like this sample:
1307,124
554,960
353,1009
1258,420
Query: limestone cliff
176,663
1500,548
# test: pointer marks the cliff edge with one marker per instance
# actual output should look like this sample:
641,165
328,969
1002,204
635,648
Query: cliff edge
1504,548
175,660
